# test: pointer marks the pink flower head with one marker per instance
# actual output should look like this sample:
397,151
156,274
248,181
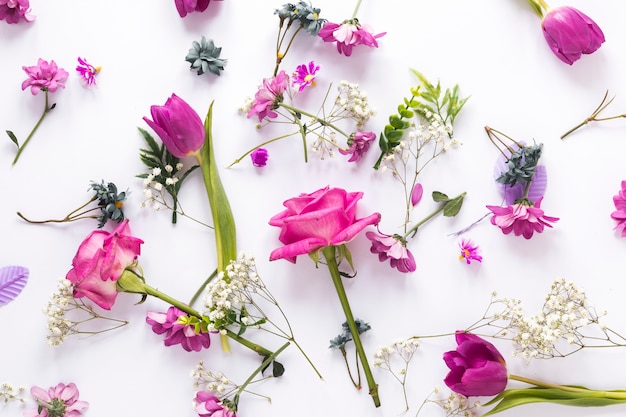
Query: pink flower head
394,249
620,213
100,261
268,96
178,125
359,143
348,34
178,330
313,221
476,367
208,405
571,33
190,6
59,401
522,218
259,157
87,71
469,251
304,76
44,76
12,11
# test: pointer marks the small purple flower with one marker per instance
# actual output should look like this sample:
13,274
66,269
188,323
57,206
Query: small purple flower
177,329
268,96
12,11
87,71
44,76
469,251
394,249
259,157
359,143
620,213
304,76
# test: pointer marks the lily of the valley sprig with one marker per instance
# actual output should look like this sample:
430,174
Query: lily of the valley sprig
593,117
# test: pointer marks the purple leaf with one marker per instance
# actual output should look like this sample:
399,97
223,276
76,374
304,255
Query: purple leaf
12,282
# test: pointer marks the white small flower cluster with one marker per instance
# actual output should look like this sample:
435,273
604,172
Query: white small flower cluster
205,380
325,145
354,102
457,405
248,102
155,184
61,301
403,348
8,393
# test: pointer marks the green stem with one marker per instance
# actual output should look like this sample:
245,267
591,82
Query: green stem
315,118
430,216
544,5
236,161
46,110
202,287
331,261
618,395
356,9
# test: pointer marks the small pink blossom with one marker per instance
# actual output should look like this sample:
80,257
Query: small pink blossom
394,249
620,214
359,143
87,71
304,76
522,218
44,76
348,34
416,194
259,157
469,251
268,96
208,405
177,329
59,401
11,11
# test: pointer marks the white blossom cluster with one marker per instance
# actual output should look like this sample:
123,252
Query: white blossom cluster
457,405
8,393
215,382
154,185
402,349
61,301
354,103
325,145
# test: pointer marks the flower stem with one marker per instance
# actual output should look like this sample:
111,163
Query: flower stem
315,118
544,5
413,229
72,216
236,161
618,395
46,110
594,115
356,9
202,287
331,261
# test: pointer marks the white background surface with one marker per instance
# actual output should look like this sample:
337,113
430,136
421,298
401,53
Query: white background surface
493,49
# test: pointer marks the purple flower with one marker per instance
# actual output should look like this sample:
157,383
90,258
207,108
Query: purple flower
359,143
522,218
304,76
476,367
12,11
571,33
59,401
469,251
268,96
394,249
190,6
259,157
178,329
348,34
178,125
208,405
87,71
620,214
44,76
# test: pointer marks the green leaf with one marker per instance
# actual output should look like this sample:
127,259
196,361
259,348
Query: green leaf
396,122
439,196
277,369
453,206
395,135
13,138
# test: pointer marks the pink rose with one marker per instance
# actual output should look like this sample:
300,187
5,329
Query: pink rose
100,261
313,221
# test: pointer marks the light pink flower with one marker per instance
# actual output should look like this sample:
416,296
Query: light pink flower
359,143
620,214
394,249
177,330
522,218
313,221
62,400
348,34
44,76
189,6
469,251
259,157
304,76
208,405
100,261
11,11
268,96
87,71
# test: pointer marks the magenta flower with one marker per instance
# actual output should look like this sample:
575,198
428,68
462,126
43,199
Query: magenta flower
394,249
304,76
359,143
620,213
12,11
100,261
190,6
416,194
349,34
44,76
326,217
571,33
522,218
178,125
59,401
476,367
178,329
269,95
208,405
259,157
87,71
469,251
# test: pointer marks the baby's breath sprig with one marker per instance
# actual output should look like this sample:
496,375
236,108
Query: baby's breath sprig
399,351
9,393
454,405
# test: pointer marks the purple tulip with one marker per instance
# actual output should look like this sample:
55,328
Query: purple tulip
571,33
476,367
178,126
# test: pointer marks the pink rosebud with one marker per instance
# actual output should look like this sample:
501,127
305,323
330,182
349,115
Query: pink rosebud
259,157
416,194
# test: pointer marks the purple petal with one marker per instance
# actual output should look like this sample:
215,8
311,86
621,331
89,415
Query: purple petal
12,282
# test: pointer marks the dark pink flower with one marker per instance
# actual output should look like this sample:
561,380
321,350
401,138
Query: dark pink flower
348,34
571,33
359,143
177,329
476,367
268,96
87,71
12,11
59,401
100,261
469,251
394,249
304,76
190,6
208,405
522,218
259,157
44,76
620,213
313,221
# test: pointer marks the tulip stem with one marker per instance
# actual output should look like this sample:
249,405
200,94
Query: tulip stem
618,395
544,5
46,110
331,260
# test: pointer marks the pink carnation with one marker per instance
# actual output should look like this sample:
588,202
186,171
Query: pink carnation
348,34
173,324
12,11
44,76
359,143
620,213
268,96
522,218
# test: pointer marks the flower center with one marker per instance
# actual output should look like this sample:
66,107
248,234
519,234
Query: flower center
56,408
